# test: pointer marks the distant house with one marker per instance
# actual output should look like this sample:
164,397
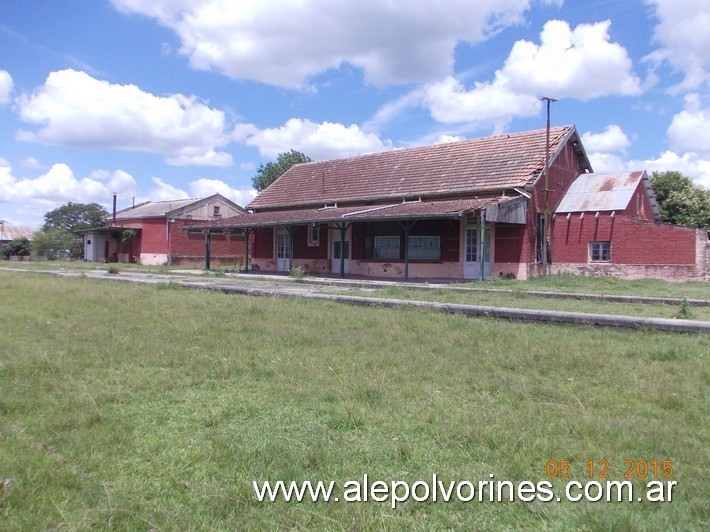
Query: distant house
8,233
474,209
152,233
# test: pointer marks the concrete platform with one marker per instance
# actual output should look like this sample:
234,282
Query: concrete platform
281,286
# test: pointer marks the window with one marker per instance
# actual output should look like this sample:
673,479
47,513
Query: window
472,245
425,247
600,251
215,211
313,235
386,247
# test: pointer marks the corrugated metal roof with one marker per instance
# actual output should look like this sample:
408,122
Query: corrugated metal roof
484,164
10,232
152,209
601,192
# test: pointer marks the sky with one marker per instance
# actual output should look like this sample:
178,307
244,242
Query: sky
167,99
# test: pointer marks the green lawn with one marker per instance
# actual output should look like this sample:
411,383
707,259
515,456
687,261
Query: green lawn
522,299
605,285
143,407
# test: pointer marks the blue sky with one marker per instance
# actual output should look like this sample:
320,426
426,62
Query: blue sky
183,98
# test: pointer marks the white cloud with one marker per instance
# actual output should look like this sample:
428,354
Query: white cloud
690,164
59,185
72,109
211,158
449,102
31,162
445,139
287,43
206,187
164,191
322,141
581,64
611,140
606,150
6,85
689,129
685,41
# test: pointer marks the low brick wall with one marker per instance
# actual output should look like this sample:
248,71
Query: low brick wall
666,272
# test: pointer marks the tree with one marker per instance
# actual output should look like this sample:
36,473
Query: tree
267,174
17,246
53,243
681,201
75,217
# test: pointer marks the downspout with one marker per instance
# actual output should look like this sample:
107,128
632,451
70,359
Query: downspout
247,232
207,249
481,244
343,230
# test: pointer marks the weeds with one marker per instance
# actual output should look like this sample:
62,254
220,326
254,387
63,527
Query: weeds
685,312
297,273
172,285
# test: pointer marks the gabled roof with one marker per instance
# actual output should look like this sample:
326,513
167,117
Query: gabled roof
152,209
10,232
486,164
606,192
162,209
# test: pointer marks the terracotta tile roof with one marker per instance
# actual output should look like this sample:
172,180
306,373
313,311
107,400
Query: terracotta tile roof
483,164
399,211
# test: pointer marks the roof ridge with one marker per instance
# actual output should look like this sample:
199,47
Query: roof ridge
436,145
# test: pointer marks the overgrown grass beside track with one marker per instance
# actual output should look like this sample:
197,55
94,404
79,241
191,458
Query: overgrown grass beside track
141,407
522,299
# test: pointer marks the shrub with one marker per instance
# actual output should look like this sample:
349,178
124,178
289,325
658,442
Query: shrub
297,273
17,246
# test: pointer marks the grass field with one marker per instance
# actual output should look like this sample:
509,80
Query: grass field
143,407
522,299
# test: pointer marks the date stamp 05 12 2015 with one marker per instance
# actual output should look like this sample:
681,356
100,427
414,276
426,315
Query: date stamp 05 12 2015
640,469
656,474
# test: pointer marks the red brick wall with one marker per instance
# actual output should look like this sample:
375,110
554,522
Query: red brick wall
563,170
153,236
633,241
184,244
640,206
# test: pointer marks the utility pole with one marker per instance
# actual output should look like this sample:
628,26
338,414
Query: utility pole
546,190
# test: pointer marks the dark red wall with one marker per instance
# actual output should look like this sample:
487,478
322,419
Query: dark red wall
263,243
509,243
301,249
